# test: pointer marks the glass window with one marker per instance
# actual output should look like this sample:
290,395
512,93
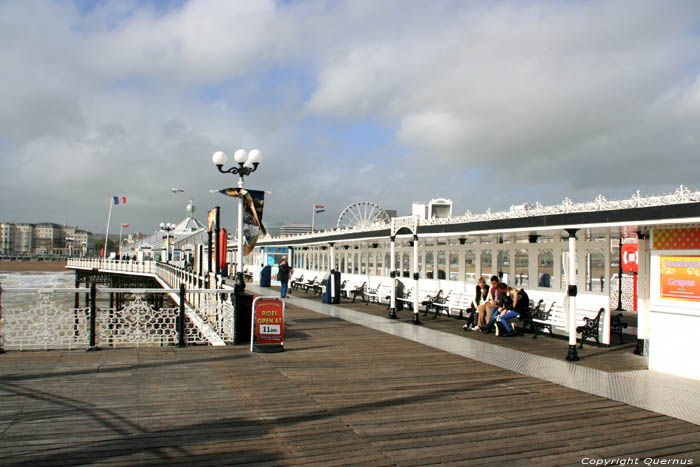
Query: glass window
370,262
387,262
545,269
420,265
522,264
595,271
356,267
486,264
504,265
429,265
470,266
363,263
442,265
454,266
406,265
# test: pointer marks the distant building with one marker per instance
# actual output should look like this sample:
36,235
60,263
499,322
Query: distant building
295,229
44,239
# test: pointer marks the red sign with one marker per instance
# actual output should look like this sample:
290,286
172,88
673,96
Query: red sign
268,314
630,257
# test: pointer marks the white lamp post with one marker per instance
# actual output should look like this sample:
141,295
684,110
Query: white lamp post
248,162
167,228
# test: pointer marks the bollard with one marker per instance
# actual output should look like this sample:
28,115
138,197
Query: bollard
93,315
181,318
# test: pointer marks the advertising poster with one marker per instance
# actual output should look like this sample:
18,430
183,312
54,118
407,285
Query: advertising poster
268,321
253,228
680,278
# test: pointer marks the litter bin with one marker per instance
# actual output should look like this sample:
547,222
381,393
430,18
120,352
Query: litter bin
332,291
242,309
265,276
399,294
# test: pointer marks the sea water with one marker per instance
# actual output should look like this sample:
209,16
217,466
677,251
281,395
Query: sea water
37,280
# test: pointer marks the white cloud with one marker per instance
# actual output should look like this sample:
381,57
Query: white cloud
552,98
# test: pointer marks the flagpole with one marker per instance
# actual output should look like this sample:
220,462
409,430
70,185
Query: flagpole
109,216
119,248
313,217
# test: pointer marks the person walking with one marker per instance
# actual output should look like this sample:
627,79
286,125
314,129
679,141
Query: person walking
283,275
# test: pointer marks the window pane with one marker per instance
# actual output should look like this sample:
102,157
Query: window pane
470,266
522,263
486,264
595,271
454,266
545,269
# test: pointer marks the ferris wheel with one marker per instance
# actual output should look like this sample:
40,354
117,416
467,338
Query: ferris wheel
362,215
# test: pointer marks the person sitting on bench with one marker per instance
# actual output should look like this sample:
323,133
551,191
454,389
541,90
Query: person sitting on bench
486,308
505,302
481,294
515,306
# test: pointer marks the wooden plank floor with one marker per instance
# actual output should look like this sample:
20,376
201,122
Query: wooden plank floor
617,357
340,394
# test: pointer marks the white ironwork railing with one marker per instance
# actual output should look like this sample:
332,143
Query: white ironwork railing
46,322
682,195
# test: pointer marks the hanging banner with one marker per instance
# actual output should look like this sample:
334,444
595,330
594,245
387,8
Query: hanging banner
211,220
680,278
222,254
253,203
267,326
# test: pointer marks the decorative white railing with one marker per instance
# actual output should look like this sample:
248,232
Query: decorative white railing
682,195
46,322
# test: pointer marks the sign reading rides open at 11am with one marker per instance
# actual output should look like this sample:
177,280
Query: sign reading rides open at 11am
268,325
680,278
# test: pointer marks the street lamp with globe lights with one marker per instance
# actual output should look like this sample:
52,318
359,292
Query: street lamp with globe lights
248,162
167,228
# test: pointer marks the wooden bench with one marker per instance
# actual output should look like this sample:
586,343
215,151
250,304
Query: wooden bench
590,328
354,291
547,317
377,294
454,301
297,282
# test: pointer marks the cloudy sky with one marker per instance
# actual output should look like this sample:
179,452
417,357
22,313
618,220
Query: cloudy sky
489,103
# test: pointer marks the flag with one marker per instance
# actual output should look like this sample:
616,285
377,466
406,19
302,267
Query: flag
119,199
319,209
254,202
124,226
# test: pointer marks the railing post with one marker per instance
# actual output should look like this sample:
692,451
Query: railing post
93,315
1,336
181,318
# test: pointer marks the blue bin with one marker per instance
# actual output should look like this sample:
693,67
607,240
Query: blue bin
265,276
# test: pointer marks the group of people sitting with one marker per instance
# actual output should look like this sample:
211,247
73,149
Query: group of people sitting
494,305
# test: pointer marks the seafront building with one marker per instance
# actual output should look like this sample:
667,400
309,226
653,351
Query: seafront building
45,239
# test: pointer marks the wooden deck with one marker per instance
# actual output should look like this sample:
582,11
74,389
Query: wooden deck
339,394
614,358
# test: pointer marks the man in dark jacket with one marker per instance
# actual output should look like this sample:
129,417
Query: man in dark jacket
283,276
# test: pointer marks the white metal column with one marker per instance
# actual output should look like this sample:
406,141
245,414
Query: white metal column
416,320
392,275
572,355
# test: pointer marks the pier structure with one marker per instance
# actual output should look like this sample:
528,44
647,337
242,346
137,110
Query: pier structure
570,255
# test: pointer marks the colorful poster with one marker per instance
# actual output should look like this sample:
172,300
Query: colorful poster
253,202
680,278
269,321
677,238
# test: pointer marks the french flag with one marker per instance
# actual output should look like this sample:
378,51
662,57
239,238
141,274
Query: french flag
319,208
119,200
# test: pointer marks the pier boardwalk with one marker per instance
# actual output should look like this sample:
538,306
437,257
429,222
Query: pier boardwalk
341,393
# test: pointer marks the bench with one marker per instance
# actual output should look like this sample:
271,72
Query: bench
354,291
545,318
431,300
590,328
533,310
297,282
454,301
379,293
407,298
